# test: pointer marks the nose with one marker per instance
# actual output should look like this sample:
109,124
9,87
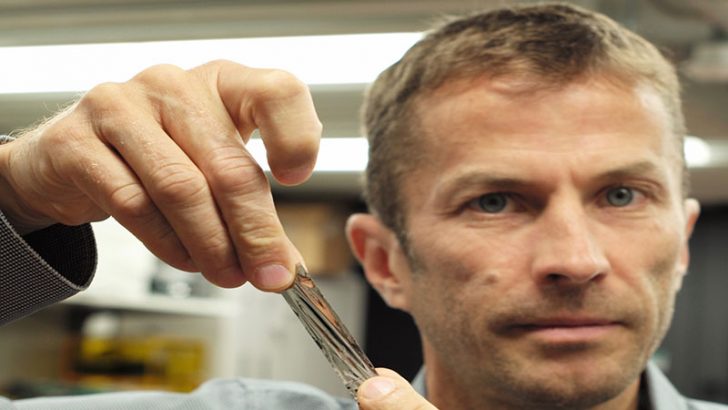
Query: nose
567,250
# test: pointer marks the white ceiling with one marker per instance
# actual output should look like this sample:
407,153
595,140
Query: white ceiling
669,23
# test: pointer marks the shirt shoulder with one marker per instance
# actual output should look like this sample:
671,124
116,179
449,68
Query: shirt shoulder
704,405
664,396
218,394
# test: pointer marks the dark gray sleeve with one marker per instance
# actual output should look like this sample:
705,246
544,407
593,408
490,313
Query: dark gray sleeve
43,267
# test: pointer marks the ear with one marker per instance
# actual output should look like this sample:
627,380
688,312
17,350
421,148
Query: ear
692,211
385,265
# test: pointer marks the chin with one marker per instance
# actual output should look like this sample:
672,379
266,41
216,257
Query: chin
569,397
572,385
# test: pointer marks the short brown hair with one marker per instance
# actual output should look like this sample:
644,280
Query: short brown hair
555,43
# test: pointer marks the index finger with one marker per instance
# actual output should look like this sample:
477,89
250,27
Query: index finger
281,107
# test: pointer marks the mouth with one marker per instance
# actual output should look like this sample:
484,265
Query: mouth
569,330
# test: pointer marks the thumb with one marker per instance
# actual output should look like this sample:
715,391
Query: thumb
389,391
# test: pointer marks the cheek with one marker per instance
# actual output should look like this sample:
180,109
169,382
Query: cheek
469,256
441,273
652,255
455,284
666,280
442,313
647,263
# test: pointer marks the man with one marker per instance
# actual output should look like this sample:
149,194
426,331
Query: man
538,231
528,197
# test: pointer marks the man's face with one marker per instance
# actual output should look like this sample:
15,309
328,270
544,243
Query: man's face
548,239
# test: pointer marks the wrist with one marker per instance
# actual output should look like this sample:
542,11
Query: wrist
19,216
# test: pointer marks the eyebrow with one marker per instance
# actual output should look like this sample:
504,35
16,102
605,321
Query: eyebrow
629,170
501,181
492,180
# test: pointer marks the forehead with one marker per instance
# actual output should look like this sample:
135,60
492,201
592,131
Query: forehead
524,105
508,123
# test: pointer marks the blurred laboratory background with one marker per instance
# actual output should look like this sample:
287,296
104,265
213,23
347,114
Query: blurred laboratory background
142,324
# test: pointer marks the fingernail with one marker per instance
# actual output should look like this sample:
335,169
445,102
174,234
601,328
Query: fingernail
272,277
377,388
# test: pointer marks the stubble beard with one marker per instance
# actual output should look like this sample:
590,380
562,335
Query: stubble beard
490,376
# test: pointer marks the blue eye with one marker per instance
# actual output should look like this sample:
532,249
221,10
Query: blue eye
620,196
493,203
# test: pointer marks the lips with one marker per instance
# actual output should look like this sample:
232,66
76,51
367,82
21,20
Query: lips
563,330
567,322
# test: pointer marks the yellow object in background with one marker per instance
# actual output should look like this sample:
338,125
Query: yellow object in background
159,362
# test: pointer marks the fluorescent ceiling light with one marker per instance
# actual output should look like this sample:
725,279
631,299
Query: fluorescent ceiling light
330,59
351,154
697,152
335,154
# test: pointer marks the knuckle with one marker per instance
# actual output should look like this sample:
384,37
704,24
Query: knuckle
215,248
161,74
173,93
218,64
178,183
256,240
131,201
236,174
279,85
106,108
103,99
211,71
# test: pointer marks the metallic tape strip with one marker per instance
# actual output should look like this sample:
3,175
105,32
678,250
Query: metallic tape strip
327,330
